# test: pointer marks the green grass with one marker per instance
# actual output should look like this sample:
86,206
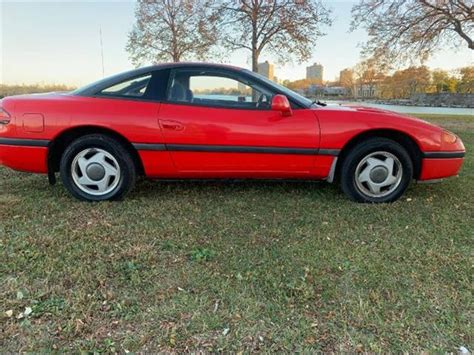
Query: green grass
269,266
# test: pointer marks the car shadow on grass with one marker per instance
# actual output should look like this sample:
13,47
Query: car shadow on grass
161,188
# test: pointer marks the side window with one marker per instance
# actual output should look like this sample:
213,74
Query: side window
217,90
135,87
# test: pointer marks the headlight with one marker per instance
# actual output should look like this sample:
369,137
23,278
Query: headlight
448,137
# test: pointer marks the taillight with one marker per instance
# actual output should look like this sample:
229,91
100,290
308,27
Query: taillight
4,116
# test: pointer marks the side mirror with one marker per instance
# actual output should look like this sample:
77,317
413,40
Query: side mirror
280,103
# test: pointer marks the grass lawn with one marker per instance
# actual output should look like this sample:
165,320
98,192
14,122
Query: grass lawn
270,266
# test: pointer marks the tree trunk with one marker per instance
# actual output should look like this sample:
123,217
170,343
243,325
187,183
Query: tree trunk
255,70
254,40
254,61
255,52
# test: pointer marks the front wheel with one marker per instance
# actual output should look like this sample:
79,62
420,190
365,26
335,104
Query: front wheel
97,168
377,170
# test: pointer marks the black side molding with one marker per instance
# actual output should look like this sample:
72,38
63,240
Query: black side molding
332,152
24,142
444,155
239,149
149,146
235,149
192,147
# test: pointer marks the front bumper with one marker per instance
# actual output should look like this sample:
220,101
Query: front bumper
439,168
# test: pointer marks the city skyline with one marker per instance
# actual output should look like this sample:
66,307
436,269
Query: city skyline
315,71
267,69
73,55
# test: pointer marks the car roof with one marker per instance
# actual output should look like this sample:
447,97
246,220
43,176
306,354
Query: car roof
193,64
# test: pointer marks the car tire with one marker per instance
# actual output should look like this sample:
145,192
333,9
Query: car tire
377,170
97,167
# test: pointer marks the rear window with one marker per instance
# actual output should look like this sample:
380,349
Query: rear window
135,87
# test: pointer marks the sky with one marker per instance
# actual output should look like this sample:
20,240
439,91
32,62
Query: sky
59,42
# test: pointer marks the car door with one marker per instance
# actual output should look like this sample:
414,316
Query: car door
219,123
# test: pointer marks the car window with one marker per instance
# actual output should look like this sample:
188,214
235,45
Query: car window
217,89
135,87
282,89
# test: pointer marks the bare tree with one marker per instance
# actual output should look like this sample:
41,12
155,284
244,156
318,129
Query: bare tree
413,29
346,80
466,83
172,30
369,74
287,28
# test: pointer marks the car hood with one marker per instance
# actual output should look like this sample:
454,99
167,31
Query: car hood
362,112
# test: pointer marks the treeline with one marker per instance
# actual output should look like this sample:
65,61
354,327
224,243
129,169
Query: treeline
404,83
370,79
301,84
9,90
224,91
372,76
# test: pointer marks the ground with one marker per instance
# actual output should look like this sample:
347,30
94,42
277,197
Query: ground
275,266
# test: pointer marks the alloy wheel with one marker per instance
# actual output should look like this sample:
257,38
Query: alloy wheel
378,174
95,171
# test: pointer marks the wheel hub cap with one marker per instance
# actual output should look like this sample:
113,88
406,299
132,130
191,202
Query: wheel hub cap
95,171
378,174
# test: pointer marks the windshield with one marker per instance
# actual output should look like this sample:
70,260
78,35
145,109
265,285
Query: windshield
281,88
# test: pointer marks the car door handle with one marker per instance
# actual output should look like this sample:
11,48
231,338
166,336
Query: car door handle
172,125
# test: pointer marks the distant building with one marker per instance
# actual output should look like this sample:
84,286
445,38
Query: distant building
315,71
346,77
266,69
314,90
346,80
368,90
321,90
335,91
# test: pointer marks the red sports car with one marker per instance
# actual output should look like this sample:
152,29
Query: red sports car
192,120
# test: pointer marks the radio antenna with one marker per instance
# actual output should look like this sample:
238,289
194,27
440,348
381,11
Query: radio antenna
102,51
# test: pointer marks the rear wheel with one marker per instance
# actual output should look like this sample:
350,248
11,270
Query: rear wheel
377,170
97,168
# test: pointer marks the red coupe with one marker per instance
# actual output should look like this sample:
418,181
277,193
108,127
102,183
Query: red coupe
192,120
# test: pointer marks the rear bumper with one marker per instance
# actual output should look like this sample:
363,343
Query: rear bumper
30,158
440,167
